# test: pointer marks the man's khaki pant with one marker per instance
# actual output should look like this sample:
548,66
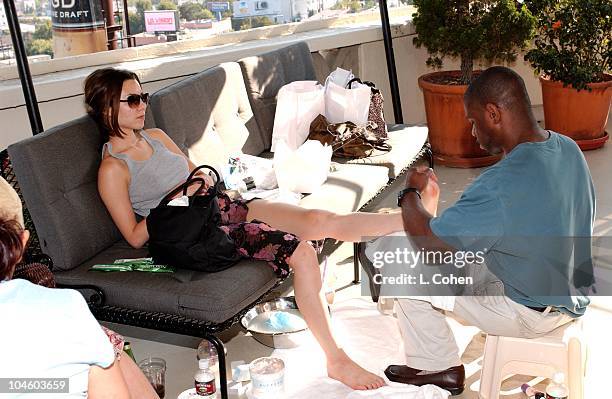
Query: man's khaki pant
428,340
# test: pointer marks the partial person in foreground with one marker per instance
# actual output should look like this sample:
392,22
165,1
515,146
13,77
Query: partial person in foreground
532,217
50,332
141,166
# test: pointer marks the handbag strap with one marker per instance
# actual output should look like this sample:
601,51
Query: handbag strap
197,169
350,82
365,82
183,187
189,181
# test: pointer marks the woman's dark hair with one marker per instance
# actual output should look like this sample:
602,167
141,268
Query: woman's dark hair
11,247
102,93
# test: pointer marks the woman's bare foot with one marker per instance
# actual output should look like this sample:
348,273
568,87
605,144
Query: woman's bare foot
343,369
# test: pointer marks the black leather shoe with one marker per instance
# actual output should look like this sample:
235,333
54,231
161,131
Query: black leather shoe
451,379
369,269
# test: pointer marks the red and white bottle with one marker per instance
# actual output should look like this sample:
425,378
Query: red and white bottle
205,380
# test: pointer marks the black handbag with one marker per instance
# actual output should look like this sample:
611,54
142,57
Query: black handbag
189,237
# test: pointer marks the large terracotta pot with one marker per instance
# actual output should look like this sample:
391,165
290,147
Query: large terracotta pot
581,115
450,133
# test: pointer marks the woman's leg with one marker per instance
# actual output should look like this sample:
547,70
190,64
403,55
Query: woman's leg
312,304
257,240
316,224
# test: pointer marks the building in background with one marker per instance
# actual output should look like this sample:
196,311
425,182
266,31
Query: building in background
273,9
280,11
27,6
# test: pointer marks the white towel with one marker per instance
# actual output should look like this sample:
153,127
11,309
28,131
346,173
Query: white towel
402,392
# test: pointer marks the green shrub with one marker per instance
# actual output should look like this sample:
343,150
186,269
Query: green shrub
573,42
490,30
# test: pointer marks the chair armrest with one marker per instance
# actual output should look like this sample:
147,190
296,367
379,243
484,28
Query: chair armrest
96,297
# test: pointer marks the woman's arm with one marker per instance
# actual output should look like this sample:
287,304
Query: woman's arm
138,385
107,383
113,186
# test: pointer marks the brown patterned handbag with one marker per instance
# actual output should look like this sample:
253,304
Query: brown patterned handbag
376,115
346,139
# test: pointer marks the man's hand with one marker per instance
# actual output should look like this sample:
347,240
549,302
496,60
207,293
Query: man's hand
425,180
419,177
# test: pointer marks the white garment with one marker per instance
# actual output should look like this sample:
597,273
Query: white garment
402,392
49,333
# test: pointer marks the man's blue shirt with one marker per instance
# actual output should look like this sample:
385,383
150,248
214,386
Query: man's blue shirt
532,214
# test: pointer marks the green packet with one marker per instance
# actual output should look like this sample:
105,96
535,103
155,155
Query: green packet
133,265
134,261
154,268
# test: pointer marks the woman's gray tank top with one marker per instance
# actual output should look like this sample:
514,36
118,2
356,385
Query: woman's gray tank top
152,179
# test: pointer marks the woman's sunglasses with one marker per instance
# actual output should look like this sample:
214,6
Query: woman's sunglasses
134,100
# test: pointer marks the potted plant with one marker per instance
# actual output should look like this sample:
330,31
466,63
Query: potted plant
573,54
488,30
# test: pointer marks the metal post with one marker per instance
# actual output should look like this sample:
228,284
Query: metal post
108,10
218,344
395,95
29,94
356,274
126,22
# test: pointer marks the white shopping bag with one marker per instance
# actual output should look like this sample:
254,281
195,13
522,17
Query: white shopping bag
262,171
340,76
303,170
298,104
342,104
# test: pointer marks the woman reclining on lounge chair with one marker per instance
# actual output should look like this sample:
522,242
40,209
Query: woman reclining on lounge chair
140,166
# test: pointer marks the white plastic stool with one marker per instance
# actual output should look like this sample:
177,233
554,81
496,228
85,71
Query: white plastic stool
562,350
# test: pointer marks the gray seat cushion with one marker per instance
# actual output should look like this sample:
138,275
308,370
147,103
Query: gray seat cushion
57,172
266,73
208,115
213,297
406,142
348,188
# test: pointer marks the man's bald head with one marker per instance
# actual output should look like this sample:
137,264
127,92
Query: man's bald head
500,86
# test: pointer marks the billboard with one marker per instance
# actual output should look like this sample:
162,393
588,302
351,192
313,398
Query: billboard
76,14
161,21
218,6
